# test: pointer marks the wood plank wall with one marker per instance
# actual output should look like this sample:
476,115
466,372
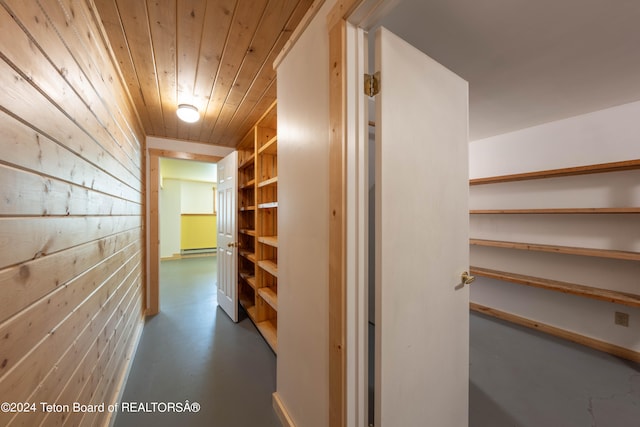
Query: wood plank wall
71,186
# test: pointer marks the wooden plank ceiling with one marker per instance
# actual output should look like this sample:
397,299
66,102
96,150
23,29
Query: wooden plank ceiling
214,54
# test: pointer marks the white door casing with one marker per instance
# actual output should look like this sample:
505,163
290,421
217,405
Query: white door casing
227,253
422,246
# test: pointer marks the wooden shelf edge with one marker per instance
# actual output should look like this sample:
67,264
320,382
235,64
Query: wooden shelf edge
248,255
252,312
250,279
553,173
247,162
269,240
606,347
248,232
556,211
267,182
269,296
568,250
269,266
608,295
269,147
269,332
248,185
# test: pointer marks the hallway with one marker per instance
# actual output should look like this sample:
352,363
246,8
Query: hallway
192,351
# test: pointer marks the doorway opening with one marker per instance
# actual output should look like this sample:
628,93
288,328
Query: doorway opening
152,294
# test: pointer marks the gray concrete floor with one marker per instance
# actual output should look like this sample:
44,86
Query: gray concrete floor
518,377
192,351
523,378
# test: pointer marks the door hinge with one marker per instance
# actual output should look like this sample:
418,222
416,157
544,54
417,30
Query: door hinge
372,84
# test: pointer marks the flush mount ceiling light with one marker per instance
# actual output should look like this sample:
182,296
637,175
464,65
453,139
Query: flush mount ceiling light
188,113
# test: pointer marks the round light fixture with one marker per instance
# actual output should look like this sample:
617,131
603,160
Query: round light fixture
188,113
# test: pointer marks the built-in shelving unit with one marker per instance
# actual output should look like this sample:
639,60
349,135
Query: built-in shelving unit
258,226
608,214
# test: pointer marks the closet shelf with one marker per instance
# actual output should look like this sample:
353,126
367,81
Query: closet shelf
557,211
248,232
269,296
269,240
248,255
270,181
569,250
270,147
558,286
553,173
248,162
247,208
269,266
247,304
248,185
269,332
249,278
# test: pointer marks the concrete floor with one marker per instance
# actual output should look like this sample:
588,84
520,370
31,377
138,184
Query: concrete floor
192,351
524,378
518,377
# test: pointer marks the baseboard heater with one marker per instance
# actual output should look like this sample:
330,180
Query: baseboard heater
197,251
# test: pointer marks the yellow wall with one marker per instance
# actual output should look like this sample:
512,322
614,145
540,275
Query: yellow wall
198,231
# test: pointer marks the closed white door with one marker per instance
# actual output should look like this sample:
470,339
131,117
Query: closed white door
422,240
227,235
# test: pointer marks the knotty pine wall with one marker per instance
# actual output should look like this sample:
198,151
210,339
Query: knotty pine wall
71,187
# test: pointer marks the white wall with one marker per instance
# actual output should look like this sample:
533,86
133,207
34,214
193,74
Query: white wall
303,226
599,137
197,197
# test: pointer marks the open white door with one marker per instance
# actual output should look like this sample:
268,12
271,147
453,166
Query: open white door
227,235
422,242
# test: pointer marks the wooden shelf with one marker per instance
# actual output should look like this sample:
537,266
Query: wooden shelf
251,311
270,147
268,205
269,266
558,286
269,296
249,184
259,196
269,240
266,182
561,333
247,304
249,278
249,161
556,211
569,250
270,334
554,173
248,255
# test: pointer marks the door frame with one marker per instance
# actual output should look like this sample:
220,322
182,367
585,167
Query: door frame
151,294
348,204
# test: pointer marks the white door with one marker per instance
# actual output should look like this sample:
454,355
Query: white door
227,235
422,241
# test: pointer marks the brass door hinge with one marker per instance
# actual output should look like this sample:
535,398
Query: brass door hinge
372,84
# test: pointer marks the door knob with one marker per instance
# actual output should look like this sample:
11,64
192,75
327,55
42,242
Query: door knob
467,278
233,245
